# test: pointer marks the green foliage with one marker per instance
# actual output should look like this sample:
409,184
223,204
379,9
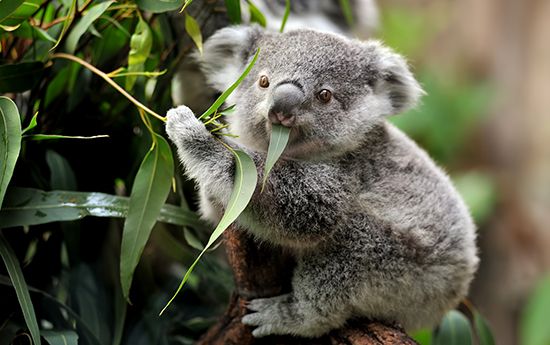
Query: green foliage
534,328
194,31
277,144
244,185
149,192
16,276
20,77
60,337
454,330
10,144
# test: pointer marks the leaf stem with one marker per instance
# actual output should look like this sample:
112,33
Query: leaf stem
108,80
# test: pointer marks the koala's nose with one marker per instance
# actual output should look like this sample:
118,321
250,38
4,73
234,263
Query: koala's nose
287,98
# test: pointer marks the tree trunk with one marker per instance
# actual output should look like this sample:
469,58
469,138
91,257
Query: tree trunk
265,271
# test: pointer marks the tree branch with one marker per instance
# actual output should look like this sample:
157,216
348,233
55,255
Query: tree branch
265,271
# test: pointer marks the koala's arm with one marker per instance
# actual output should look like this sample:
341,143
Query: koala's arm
301,200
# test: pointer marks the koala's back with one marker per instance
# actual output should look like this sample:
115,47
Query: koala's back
408,231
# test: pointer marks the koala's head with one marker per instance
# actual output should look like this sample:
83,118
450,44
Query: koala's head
330,90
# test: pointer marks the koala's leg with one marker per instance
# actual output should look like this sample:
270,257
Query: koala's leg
320,302
204,158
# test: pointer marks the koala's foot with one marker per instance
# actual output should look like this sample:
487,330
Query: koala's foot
285,315
273,315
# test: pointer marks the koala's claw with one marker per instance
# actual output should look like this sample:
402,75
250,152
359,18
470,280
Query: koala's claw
266,315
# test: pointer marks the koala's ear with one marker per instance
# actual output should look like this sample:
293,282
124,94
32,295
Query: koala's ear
226,53
392,79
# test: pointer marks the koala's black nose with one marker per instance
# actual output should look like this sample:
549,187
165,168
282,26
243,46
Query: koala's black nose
287,98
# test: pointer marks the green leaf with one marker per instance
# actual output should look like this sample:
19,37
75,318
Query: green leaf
285,16
423,336
16,276
61,174
277,144
534,328
10,142
256,16
140,48
32,124
39,137
192,240
187,3
156,6
84,23
60,337
233,11
20,77
194,30
22,13
483,331
454,330
66,23
7,7
244,184
348,13
149,192
92,339
218,103
27,206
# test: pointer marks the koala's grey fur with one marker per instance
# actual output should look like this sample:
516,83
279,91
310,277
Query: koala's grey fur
377,229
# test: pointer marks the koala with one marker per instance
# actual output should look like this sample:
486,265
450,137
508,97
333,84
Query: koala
376,228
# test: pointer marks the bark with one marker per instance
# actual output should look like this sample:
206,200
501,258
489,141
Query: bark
263,271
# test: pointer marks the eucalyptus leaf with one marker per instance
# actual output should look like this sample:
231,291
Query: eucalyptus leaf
244,184
10,142
66,23
256,16
27,206
219,101
149,192
483,331
285,16
534,328
141,43
84,23
92,339
233,11
194,31
32,124
39,137
21,290
60,337
348,13
454,330
422,336
22,12
7,7
61,174
156,6
20,77
277,144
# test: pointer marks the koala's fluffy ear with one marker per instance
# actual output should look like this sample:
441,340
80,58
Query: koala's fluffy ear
393,79
226,53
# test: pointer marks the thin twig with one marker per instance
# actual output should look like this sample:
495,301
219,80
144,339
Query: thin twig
108,80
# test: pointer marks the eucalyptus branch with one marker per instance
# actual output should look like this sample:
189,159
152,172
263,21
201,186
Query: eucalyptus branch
108,80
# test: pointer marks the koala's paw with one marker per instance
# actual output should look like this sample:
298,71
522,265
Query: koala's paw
181,122
274,315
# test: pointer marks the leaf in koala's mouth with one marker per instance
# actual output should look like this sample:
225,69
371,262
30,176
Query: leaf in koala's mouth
277,144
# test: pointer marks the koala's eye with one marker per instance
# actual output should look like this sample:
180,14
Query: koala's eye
264,82
324,95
